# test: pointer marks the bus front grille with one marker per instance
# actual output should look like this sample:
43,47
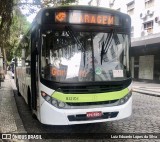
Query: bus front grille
89,89
92,103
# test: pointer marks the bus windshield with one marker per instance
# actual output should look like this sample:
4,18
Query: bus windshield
69,56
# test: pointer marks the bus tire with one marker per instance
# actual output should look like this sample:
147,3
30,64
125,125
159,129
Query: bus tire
18,93
30,104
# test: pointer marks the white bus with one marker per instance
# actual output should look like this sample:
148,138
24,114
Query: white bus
76,66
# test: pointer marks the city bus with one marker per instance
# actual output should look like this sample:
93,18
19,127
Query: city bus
75,65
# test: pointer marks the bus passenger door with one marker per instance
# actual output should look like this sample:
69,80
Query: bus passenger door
34,72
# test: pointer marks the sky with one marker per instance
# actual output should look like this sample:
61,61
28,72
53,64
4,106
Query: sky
31,17
81,2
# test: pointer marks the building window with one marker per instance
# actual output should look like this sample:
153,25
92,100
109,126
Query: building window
130,8
150,31
148,26
149,3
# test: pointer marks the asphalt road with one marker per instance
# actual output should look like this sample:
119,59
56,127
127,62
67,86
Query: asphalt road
145,119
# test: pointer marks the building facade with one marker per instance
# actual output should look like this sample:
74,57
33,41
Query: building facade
145,34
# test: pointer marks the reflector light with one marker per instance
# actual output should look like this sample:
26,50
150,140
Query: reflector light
43,94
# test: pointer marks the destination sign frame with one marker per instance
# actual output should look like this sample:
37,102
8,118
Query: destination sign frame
87,17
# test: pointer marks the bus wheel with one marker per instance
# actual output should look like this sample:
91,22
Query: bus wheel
18,93
30,105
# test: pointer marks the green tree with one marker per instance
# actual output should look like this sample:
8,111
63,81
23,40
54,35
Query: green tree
13,24
6,8
18,27
33,5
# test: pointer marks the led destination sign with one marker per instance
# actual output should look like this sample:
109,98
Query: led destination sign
78,17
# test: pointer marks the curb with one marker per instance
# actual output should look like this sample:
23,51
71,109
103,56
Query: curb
20,127
18,121
146,92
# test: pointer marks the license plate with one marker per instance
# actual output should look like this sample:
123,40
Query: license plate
94,114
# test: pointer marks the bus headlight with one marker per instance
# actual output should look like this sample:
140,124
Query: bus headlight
125,99
53,101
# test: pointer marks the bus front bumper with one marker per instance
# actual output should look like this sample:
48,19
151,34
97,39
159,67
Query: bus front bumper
51,115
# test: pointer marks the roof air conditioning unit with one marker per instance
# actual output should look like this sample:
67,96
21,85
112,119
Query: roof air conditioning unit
150,12
157,19
142,15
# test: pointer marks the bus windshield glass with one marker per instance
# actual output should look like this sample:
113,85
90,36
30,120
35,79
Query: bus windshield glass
69,56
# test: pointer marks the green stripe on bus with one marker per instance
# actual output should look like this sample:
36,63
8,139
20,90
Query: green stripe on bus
97,97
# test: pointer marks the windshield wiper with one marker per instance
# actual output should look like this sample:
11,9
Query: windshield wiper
105,44
72,35
102,52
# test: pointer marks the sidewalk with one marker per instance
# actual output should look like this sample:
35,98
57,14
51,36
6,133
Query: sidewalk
10,121
146,88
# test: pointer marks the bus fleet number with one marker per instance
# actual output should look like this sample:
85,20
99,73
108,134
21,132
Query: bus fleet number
72,98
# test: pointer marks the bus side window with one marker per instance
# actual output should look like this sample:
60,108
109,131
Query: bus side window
27,59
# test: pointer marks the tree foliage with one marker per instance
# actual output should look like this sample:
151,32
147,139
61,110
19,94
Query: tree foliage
13,23
6,8
33,5
18,28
